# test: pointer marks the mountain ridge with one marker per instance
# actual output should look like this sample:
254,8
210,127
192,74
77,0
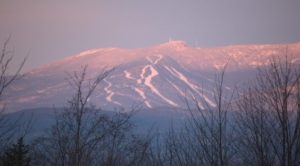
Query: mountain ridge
158,76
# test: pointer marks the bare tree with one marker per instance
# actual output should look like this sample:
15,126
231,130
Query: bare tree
181,148
269,123
78,128
205,138
84,135
8,127
6,58
254,130
137,150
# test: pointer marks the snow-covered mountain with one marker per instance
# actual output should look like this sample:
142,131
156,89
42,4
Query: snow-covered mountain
156,77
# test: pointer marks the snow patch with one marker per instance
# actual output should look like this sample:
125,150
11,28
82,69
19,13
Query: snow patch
295,60
256,63
52,88
88,52
110,93
220,66
93,51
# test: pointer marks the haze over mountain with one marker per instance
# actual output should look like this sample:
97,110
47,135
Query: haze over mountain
161,76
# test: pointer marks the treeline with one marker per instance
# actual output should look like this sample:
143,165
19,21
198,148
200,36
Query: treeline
259,127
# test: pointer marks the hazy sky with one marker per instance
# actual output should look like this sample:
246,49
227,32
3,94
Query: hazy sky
53,29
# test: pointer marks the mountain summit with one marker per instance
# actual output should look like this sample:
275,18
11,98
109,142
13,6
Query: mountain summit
174,44
162,76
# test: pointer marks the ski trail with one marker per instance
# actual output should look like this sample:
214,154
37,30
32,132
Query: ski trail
148,82
149,59
128,75
155,61
194,87
171,71
158,59
139,91
142,94
110,93
142,77
178,89
184,79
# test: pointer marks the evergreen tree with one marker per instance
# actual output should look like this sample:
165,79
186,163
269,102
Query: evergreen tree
17,155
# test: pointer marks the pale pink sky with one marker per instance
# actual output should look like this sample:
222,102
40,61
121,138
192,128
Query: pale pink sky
54,29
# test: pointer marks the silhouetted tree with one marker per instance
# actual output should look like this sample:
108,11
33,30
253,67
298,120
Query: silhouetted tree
79,128
17,155
269,119
205,138
84,135
8,127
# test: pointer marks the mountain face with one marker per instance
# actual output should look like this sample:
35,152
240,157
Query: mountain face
163,76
